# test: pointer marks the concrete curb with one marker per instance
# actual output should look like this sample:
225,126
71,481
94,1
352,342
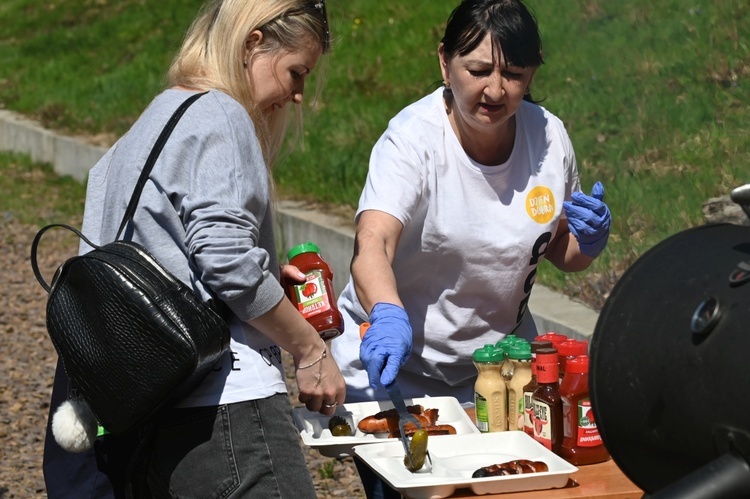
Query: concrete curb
68,155
296,222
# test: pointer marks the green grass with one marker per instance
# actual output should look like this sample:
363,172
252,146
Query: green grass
34,194
88,65
655,95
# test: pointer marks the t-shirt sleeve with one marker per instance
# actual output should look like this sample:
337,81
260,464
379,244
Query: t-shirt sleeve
572,181
395,177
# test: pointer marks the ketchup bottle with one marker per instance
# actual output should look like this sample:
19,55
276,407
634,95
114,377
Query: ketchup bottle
315,297
548,420
568,349
581,443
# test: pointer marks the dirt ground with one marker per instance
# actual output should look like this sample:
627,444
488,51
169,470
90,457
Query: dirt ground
28,363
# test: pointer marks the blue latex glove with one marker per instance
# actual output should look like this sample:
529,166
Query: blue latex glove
387,343
589,220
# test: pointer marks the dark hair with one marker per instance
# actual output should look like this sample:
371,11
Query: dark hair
512,26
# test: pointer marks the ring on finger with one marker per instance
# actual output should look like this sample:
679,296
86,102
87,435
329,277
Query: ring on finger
330,406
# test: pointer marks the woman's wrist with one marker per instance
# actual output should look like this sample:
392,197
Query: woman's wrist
311,354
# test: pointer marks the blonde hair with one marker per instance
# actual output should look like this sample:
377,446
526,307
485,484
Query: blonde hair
212,54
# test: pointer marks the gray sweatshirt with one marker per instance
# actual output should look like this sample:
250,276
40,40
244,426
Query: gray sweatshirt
205,214
205,211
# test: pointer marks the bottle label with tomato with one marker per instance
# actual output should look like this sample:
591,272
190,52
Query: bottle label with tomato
543,424
588,434
312,298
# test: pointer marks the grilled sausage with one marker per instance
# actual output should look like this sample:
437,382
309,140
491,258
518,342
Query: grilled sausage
387,421
515,467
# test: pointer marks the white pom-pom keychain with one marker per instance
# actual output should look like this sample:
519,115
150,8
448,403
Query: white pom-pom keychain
74,426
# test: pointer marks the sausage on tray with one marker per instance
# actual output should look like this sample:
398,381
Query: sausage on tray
516,467
387,421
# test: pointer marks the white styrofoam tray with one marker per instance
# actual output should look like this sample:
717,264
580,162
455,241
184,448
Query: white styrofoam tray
455,460
314,430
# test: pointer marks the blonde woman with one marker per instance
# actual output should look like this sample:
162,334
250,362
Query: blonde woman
205,213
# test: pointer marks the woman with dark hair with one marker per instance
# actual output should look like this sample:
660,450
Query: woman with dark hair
206,214
468,190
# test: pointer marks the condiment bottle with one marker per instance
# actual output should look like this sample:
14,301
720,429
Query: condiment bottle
506,344
528,389
555,338
548,420
490,393
582,443
568,349
520,355
314,298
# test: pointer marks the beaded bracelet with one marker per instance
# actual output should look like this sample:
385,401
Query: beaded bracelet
320,369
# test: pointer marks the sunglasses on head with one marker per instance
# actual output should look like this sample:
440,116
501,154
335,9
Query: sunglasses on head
320,10
321,7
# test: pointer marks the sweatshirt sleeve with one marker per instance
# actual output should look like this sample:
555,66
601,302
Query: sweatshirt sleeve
226,210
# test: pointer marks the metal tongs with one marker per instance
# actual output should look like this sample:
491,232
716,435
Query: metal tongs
404,416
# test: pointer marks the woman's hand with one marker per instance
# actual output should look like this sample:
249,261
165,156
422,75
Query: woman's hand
583,234
589,220
321,386
290,273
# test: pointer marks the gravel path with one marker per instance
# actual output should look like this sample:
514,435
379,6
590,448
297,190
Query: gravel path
28,365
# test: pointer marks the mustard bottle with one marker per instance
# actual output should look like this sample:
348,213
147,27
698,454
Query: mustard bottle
506,344
490,392
520,356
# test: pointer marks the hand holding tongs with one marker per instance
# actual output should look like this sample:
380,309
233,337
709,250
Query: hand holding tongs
404,416
412,463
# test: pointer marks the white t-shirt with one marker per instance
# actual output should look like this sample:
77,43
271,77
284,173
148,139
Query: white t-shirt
473,237
205,214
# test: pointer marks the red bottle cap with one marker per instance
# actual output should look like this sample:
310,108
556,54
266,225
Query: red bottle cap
555,338
583,348
578,365
569,347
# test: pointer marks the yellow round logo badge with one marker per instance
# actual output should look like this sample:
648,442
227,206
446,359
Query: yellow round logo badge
540,204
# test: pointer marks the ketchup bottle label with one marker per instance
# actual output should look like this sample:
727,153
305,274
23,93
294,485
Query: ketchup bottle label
543,424
588,433
312,298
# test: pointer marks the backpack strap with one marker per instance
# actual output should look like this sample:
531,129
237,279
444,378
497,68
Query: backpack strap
35,244
155,151
130,211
